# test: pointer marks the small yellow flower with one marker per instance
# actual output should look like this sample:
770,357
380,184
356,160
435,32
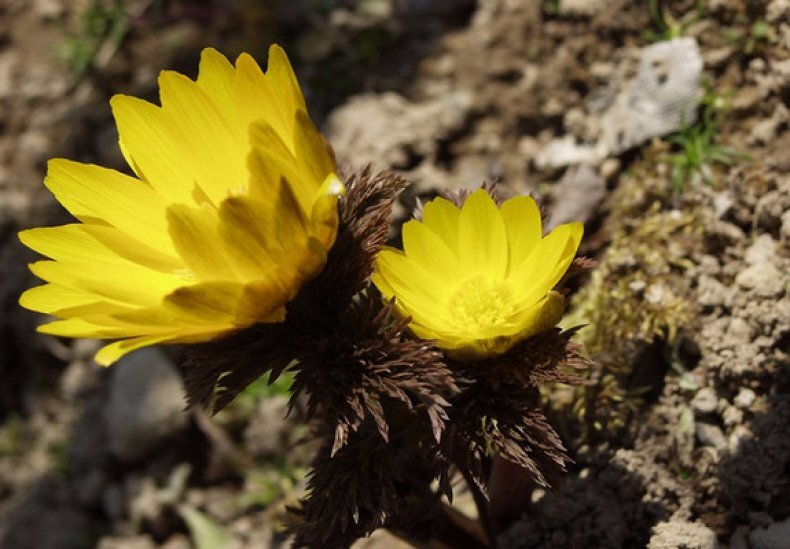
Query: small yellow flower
233,208
478,279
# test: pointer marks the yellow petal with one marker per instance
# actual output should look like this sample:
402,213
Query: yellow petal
443,218
215,78
482,236
125,284
256,100
207,302
49,298
99,243
204,135
547,262
315,157
155,154
426,249
523,226
110,354
262,235
543,316
324,219
283,80
98,195
191,230
413,285
230,304
79,327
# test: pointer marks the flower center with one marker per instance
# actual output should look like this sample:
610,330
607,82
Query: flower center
480,303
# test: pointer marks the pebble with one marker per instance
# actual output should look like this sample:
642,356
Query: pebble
765,280
738,332
762,251
610,168
739,434
745,398
679,533
748,98
146,404
113,502
775,536
710,291
710,435
264,433
777,10
738,538
705,401
732,416
722,204
585,8
127,542
381,539
49,9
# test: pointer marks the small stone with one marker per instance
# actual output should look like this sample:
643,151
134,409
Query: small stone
748,98
610,168
89,489
146,404
126,542
765,280
145,500
705,401
775,536
711,292
732,416
738,538
577,195
767,129
710,435
78,378
722,204
657,294
717,57
777,10
381,539
41,524
738,332
586,8
679,533
762,251
637,286
528,147
113,502
49,9
264,433
177,541
745,398
739,434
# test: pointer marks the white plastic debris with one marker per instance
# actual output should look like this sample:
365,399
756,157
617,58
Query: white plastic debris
660,99
587,8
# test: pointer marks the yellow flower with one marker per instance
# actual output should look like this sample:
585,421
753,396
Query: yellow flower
478,279
233,208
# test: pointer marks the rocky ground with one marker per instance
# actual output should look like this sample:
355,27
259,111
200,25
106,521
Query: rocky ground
674,154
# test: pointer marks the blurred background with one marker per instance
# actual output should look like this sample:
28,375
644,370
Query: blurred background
661,125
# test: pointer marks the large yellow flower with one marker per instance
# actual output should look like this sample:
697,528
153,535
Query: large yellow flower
233,208
478,279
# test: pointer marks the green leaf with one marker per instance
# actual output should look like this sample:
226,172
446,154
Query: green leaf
205,533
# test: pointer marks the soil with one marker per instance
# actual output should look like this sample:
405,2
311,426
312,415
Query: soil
449,94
